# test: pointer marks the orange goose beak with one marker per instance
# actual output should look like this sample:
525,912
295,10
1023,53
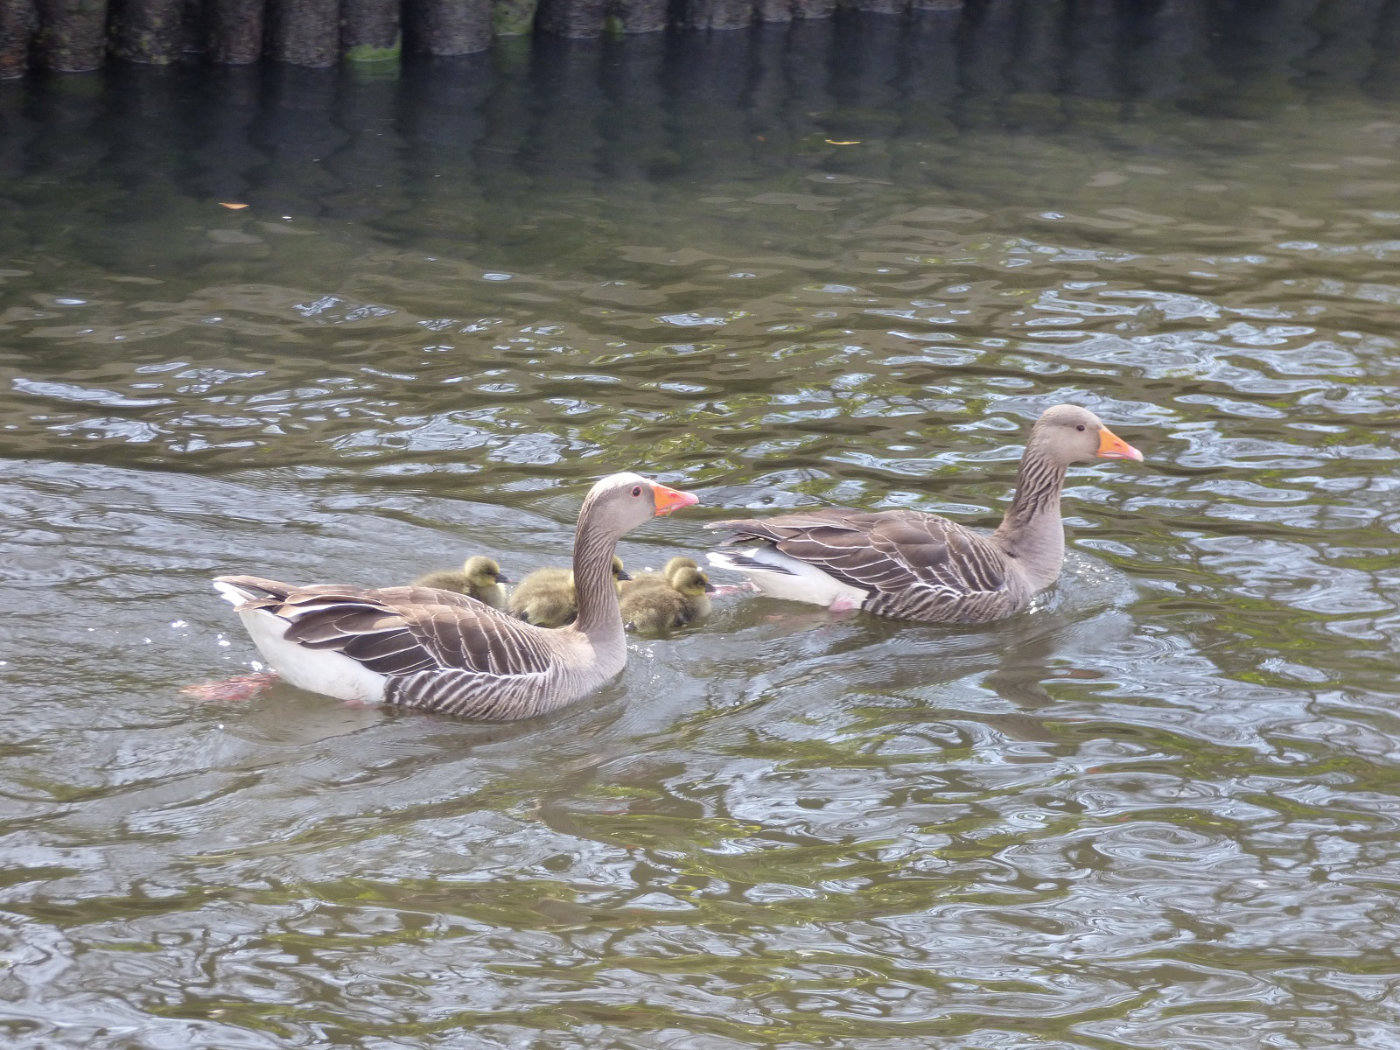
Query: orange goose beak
668,500
1111,446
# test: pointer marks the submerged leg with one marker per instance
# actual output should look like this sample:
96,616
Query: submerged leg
239,687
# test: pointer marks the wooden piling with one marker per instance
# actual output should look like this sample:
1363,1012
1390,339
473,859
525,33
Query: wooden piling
369,30
150,31
572,18
717,14
72,34
304,32
233,31
637,16
512,17
447,27
18,21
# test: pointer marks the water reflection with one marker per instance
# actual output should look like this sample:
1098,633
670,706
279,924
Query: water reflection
821,263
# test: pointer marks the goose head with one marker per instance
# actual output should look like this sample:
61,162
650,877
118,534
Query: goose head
619,503
1069,434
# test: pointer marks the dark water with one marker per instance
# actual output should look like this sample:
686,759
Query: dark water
1158,811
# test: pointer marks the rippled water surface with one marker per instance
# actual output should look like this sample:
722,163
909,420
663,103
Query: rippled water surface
841,265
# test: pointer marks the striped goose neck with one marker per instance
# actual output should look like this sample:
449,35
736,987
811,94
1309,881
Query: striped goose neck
1038,484
1031,531
598,613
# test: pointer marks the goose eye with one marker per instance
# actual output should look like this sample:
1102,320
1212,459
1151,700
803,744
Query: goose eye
636,490
1079,427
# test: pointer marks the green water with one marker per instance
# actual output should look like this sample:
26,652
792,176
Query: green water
779,269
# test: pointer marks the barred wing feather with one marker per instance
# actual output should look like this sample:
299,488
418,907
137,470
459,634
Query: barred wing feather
435,647
912,565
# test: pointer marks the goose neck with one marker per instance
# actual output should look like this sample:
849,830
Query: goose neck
1031,530
598,614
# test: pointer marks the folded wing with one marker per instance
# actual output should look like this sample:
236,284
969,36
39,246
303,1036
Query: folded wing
912,565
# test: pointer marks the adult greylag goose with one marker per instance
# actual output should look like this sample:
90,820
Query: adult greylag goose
681,598
479,577
437,651
548,597
915,566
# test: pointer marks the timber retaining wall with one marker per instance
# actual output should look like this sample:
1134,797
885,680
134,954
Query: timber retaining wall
79,35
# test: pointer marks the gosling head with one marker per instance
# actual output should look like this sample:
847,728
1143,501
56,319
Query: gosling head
483,572
619,573
676,564
690,581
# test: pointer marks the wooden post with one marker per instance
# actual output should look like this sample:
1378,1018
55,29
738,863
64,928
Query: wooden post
304,32
879,7
572,18
772,11
17,24
369,30
513,17
449,27
233,31
813,8
72,34
150,31
717,14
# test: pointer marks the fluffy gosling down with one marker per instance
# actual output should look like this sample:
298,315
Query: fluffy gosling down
651,578
681,599
479,577
548,598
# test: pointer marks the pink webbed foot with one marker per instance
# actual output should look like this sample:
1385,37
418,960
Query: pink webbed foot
238,688
843,605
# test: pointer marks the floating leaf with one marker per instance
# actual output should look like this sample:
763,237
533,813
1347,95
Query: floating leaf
232,206
843,142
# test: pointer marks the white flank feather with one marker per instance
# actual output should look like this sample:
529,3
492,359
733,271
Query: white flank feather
320,670
789,578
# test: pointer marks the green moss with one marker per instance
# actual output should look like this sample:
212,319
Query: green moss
368,55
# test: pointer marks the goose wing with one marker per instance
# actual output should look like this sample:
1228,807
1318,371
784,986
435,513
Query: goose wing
432,645
912,565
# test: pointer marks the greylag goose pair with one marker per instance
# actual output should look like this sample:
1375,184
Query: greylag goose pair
437,651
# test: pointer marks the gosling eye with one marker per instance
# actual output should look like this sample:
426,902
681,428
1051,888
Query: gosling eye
637,489
1079,427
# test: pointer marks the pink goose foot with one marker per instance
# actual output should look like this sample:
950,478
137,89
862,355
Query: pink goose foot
238,688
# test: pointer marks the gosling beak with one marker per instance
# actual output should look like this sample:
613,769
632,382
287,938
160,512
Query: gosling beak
622,574
668,500
1111,446
503,578
709,587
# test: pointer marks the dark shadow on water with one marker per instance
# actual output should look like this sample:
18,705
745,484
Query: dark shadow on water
659,107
